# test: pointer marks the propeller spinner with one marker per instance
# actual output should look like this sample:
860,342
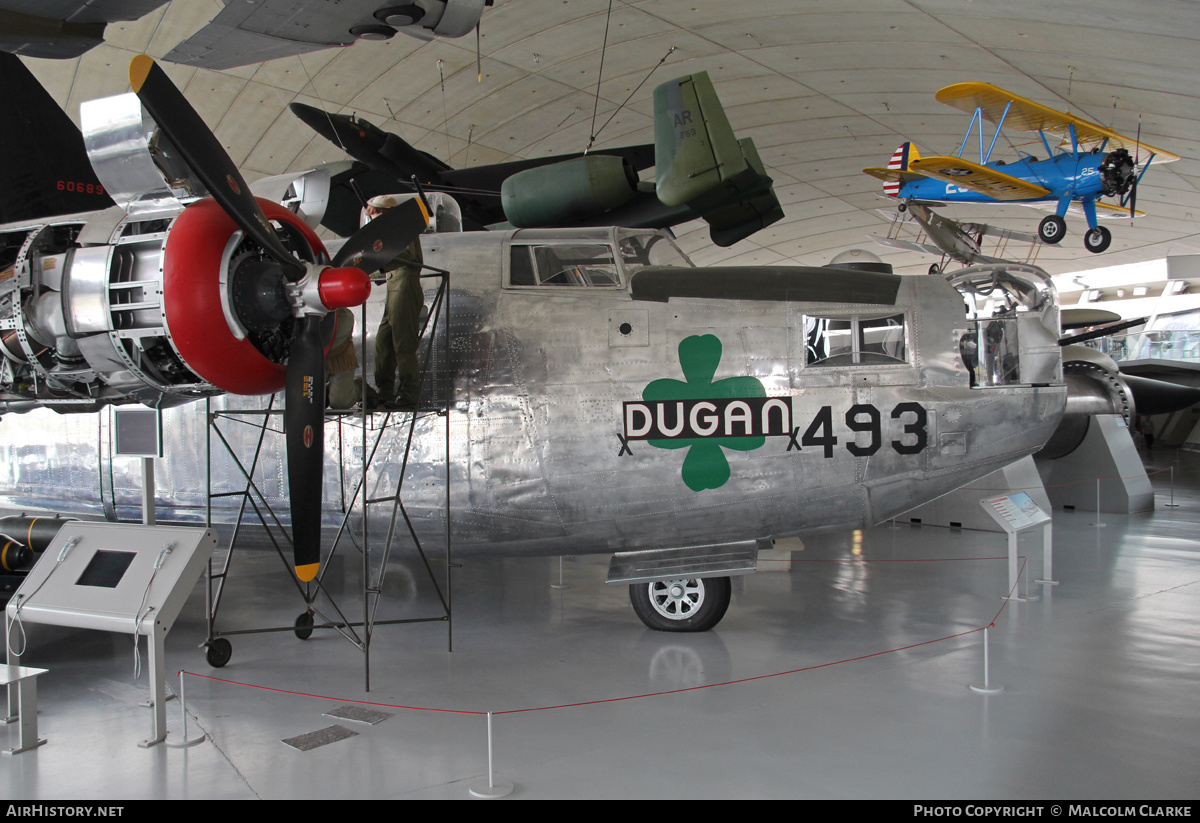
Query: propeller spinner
285,288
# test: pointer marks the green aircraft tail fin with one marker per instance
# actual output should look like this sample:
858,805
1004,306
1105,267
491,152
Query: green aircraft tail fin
701,164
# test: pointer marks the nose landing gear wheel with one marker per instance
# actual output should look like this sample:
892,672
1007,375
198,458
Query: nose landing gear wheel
1052,229
1097,240
682,604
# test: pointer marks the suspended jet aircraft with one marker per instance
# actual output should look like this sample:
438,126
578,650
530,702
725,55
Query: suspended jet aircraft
1090,162
702,171
950,239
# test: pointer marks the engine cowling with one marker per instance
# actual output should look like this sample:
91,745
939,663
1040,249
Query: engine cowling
145,309
202,258
566,192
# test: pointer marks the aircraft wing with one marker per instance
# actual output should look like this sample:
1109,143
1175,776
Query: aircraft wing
1104,211
1026,115
1004,234
63,29
982,179
897,243
251,32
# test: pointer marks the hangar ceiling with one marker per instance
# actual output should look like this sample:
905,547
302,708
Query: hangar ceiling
824,89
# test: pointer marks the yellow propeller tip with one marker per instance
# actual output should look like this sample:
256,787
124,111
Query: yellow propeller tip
308,571
139,69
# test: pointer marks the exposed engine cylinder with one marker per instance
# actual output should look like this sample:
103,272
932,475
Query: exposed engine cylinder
1117,172
573,190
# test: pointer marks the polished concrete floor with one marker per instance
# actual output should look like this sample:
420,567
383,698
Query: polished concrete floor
844,674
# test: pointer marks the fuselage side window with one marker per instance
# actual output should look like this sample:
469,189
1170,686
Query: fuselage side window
855,341
521,267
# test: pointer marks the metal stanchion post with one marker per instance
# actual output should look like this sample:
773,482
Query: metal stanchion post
987,687
494,788
183,744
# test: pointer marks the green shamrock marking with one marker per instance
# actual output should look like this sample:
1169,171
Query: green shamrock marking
705,466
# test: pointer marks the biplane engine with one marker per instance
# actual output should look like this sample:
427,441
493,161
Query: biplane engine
1117,172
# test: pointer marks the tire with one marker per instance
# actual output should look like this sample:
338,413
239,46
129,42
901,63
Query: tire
1097,240
935,269
1052,229
218,652
304,625
681,604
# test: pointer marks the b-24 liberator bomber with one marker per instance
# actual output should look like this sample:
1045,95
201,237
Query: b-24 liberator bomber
604,395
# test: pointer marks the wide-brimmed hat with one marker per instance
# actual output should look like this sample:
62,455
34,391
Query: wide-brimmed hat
383,201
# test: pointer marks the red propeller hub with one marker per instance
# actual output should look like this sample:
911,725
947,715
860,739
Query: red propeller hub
344,288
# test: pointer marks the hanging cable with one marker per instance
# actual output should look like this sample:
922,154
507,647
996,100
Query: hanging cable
599,77
631,94
445,117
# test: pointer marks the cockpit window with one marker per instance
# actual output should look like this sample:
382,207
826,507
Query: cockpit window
856,341
563,264
648,248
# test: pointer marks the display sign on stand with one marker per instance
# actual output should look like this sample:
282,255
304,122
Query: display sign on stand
114,577
1017,513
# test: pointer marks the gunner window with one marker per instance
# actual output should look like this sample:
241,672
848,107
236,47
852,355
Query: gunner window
855,341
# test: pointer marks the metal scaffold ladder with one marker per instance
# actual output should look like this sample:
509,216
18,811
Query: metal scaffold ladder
375,487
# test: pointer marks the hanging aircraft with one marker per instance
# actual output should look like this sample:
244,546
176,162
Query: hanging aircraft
1091,162
241,33
951,240
702,171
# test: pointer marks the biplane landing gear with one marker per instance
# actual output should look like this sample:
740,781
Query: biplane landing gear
1052,229
935,269
684,604
217,652
1097,239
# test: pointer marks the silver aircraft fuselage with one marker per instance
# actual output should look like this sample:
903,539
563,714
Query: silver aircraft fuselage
601,401
674,407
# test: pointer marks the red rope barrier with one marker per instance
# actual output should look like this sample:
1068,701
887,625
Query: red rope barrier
814,667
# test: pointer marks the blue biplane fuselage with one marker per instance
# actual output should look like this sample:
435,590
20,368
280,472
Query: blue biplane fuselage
1068,177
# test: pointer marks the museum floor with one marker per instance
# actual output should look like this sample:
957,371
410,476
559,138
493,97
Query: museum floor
845,676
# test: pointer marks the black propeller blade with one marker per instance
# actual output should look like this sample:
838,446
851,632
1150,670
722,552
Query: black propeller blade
304,422
204,155
373,246
1137,154
376,244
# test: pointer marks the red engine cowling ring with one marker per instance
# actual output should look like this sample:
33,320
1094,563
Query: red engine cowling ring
192,299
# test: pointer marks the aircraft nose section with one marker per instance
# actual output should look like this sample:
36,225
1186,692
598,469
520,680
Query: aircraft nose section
323,123
344,288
